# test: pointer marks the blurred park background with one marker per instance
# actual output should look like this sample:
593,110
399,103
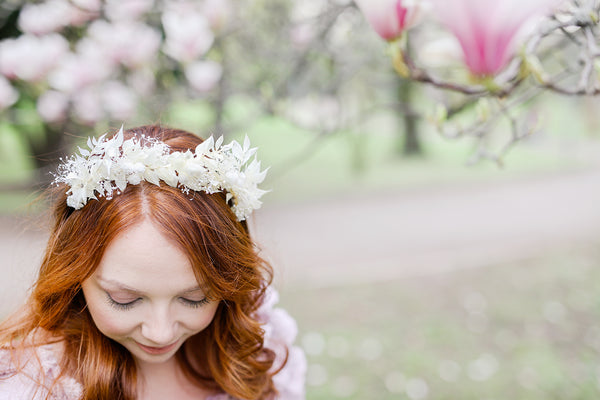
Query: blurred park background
414,269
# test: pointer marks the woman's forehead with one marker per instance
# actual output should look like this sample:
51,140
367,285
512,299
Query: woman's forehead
143,257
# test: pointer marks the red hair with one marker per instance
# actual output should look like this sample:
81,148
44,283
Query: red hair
231,357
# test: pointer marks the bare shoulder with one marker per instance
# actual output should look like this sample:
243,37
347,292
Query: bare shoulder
32,372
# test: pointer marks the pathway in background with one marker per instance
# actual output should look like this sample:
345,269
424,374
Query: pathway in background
388,236
430,230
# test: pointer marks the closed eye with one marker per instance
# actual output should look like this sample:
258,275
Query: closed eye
120,306
194,303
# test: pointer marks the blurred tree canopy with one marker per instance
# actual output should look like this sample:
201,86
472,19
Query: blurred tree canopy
70,68
73,67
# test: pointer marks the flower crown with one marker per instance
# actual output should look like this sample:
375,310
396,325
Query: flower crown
111,164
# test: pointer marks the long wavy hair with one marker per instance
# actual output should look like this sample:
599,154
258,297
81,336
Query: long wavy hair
227,356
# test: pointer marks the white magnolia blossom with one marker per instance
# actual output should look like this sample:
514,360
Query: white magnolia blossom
203,75
52,106
46,17
218,13
81,69
29,57
87,105
118,41
119,101
8,94
53,16
129,43
111,164
188,34
117,10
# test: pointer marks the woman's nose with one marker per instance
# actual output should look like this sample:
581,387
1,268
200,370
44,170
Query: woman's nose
159,329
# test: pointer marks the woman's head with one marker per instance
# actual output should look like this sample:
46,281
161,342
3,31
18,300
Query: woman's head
145,296
183,264
202,226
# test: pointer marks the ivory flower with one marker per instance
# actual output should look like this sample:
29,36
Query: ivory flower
390,18
109,165
488,30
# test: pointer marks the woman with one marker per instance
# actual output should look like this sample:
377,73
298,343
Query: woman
150,286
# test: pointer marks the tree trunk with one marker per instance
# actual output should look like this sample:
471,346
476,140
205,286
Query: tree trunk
47,153
409,143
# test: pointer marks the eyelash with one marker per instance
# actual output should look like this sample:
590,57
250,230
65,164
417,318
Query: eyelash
120,306
127,306
194,303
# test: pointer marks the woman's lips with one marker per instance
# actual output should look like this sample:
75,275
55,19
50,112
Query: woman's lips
157,350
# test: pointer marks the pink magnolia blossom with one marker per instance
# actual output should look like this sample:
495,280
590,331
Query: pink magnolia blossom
130,43
187,31
79,70
87,105
203,75
52,106
29,57
390,18
119,101
46,17
8,94
489,30
52,16
218,13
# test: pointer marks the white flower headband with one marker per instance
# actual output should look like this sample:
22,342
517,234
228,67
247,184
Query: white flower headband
111,164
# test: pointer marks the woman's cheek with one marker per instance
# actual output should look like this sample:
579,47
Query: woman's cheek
206,318
111,322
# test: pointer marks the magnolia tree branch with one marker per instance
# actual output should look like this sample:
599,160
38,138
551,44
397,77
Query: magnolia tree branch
561,55
516,74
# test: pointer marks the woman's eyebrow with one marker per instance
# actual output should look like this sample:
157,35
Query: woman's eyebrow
120,286
194,289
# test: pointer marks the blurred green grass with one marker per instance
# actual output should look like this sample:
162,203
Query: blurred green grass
526,330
